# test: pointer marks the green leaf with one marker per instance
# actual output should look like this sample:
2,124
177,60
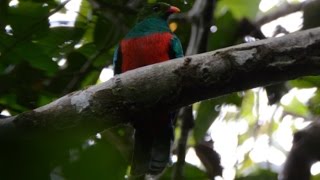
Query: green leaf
99,161
247,106
86,20
91,78
240,8
75,61
102,32
59,40
106,34
102,57
297,108
38,60
6,56
306,82
83,14
87,49
10,100
314,104
226,33
3,14
28,19
190,172
27,51
24,82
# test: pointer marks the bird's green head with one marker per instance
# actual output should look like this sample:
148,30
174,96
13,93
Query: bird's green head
157,10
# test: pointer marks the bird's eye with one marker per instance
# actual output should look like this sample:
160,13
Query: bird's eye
155,8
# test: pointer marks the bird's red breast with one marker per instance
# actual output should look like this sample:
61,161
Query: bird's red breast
145,50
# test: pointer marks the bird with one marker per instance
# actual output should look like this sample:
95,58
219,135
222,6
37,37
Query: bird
150,41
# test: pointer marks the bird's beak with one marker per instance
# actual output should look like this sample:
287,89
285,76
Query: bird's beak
173,9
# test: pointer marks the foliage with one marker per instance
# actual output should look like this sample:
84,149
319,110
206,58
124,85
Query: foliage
42,60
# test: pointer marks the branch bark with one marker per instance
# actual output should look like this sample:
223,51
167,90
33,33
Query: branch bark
171,85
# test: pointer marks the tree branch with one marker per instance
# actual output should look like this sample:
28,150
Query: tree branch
187,124
283,10
202,15
170,85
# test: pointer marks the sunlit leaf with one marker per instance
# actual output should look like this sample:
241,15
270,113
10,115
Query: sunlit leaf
296,107
314,103
84,14
247,107
306,82
246,164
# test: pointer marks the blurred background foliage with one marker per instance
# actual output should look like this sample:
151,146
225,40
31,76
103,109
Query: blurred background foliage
43,57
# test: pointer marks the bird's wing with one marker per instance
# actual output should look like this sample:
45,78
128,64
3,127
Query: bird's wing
117,60
176,50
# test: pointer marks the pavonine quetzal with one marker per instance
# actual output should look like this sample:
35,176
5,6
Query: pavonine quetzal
150,41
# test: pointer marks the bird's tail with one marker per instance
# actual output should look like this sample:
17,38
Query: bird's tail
152,148
161,150
142,152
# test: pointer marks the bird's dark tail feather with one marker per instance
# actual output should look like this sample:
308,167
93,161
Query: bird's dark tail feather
141,152
152,150
161,149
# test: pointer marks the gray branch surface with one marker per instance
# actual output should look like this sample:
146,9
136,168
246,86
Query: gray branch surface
171,85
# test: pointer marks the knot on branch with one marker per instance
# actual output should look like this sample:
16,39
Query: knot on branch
186,70
117,87
187,61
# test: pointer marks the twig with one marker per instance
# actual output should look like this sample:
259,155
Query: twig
279,29
281,11
201,18
187,125
180,17
209,158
